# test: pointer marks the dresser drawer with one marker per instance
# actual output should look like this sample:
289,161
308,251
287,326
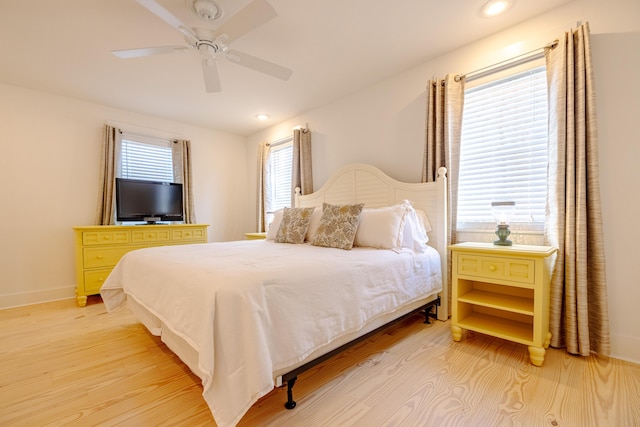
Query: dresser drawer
94,279
112,237
151,236
105,257
187,235
511,269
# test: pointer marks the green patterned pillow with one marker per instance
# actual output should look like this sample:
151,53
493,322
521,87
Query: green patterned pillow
293,227
338,226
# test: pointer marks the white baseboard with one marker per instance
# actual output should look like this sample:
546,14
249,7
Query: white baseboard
36,297
625,348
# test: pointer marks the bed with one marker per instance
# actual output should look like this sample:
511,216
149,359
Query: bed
248,316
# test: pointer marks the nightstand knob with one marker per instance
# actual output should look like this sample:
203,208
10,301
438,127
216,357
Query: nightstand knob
492,267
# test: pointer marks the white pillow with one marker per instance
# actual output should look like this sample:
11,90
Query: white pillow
415,230
382,227
272,232
424,220
314,224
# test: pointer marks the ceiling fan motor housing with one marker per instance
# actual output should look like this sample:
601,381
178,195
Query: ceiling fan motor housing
206,9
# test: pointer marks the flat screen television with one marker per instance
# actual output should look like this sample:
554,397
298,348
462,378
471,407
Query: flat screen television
149,201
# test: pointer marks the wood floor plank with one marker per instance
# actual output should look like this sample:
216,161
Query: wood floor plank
66,365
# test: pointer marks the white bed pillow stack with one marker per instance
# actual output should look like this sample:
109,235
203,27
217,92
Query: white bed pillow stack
393,227
390,227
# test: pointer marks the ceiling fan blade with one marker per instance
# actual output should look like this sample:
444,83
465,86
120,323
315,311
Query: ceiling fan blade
210,73
148,51
251,16
266,67
168,17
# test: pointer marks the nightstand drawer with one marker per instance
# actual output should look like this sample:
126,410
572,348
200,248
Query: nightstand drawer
511,269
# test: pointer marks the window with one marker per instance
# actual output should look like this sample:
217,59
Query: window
146,158
280,165
503,153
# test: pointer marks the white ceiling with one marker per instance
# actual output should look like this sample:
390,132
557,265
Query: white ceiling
334,47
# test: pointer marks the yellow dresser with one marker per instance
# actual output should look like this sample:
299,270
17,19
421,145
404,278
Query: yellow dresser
98,248
502,291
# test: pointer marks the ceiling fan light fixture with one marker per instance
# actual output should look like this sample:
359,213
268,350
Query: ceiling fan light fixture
495,7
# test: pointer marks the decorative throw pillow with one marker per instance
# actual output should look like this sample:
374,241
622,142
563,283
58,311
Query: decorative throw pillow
293,227
338,226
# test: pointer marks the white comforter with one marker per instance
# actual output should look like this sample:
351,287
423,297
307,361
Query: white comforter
250,308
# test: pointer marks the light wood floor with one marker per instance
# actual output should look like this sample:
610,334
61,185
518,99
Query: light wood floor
65,365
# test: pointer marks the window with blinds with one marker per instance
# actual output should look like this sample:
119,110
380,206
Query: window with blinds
280,170
150,160
503,153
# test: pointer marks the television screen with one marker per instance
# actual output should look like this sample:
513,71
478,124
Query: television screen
150,201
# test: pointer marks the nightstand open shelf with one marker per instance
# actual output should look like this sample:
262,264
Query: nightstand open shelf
503,292
496,296
496,326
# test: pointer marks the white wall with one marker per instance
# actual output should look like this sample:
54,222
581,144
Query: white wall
49,172
384,126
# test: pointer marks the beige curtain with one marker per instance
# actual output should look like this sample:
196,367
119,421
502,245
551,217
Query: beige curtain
579,316
301,175
262,187
445,101
105,214
181,153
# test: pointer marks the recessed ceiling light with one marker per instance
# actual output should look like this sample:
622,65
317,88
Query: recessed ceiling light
495,7
262,116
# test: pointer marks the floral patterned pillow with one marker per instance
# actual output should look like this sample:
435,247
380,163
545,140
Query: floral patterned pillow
338,226
294,224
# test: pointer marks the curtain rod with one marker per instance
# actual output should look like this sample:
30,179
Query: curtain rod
280,141
141,130
288,138
508,63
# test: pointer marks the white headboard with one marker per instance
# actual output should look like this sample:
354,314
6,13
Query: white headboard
362,183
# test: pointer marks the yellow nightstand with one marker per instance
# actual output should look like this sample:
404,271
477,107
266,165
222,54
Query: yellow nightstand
502,291
255,236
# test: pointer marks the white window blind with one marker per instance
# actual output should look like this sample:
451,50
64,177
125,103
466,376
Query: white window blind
503,154
148,160
280,170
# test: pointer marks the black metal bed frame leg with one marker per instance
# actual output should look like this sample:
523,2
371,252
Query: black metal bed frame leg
290,404
427,311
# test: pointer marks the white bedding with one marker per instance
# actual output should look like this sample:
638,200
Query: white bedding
251,308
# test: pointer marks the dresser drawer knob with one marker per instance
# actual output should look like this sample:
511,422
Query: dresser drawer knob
99,257
492,267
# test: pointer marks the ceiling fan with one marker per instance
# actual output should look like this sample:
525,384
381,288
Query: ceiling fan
211,43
